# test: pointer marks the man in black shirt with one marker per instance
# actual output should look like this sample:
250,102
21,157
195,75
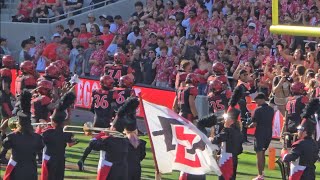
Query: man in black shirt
147,72
262,120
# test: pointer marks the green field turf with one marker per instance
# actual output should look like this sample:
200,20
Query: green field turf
246,168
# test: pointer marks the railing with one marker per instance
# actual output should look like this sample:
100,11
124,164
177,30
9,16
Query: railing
83,9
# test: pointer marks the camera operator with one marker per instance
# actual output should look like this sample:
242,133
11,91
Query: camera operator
281,90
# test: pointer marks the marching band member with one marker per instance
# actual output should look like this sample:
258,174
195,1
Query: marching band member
102,108
230,139
126,120
5,94
55,140
304,153
24,144
184,102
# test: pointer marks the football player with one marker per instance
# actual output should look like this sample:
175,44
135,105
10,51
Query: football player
27,79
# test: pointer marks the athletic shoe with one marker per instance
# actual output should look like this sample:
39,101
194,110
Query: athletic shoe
259,177
81,165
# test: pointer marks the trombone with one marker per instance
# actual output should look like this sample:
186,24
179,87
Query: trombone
87,128
41,124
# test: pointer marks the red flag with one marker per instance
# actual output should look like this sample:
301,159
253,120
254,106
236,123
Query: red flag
296,170
9,169
226,162
104,167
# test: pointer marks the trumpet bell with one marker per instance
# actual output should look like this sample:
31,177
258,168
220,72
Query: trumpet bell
13,122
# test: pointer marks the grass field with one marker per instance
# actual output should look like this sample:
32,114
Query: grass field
246,168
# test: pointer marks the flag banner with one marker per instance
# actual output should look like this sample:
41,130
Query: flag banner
296,170
104,167
178,144
226,162
9,169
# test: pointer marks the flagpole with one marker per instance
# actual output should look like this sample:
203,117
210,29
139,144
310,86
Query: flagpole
149,134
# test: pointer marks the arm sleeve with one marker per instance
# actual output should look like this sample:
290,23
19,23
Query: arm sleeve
256,117
294,154
7,142
97,145
221,137
142,149
208,121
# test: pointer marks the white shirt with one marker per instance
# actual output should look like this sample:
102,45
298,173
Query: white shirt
132,38
169,53
111,50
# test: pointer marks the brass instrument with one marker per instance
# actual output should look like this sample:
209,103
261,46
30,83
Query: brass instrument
88,129
41,124
13,123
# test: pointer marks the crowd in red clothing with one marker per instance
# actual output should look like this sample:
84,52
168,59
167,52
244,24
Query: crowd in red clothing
159,36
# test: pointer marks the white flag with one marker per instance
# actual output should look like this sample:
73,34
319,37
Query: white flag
178,144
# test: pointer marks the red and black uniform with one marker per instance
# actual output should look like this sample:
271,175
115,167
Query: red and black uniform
304,152
5,102
102,108
183,94
116,71
25,81
55,141
23,158
294,108
116,152
39,108
123,94
135,156
218,104
57,83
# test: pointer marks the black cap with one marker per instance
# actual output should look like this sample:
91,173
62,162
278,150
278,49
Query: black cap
58,116
32,38
71,22
25,42
260,95
2,39
117,17
109,18
191,37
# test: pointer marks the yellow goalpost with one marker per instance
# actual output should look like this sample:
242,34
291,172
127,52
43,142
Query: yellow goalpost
290,30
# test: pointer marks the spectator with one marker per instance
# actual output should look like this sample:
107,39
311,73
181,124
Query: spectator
95,31
76,33
60,30
135,35
70,29
24,12
190,20
54,5
79,60
116,42
71,5
39,59
42,11
91,22
147,71
136,65
311,62
122,27
190,49
84,36
97,60
163,65
4,50
152,41
49,52
86,67
73,55
106,36
203,71
104,19
139,11
262,120
161,44
24,54
32,50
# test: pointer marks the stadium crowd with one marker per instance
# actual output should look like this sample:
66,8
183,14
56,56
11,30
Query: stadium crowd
220,48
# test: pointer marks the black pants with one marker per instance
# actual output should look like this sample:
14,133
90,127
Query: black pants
56,169
235,166
244,131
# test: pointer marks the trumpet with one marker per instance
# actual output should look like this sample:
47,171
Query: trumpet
88,128
41,124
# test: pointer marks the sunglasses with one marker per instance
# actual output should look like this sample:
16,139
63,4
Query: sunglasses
99,44
151,52
42,41
202,49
